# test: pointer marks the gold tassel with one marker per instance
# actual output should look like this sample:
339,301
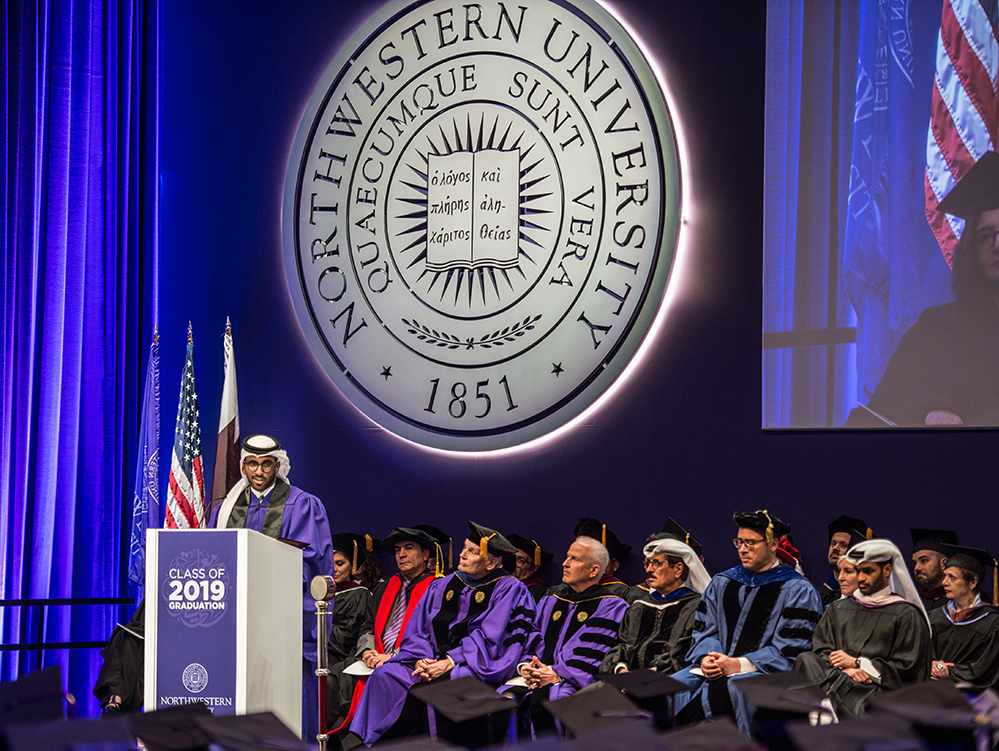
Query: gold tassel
603,535
686,539
770,528
369,544
354,567
870,533
450,559
537,554
484,545
437,560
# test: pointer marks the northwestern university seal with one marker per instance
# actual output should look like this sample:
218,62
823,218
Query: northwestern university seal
480,216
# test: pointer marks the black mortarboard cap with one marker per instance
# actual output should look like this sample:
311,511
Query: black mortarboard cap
788,692
633,735
538,554
253,732
35,697
491,541
467,710
679,533
407,534
978,189
848,524
171,728
937,710
762,521
592,527
108,734
462,699
417,743
644,683
884,731
709,736
595,709
443,541
972,559
932,539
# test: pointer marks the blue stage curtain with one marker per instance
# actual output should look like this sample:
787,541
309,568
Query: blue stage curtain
78,290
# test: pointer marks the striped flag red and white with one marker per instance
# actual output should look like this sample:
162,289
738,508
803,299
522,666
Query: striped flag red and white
226,472
186,498
965,110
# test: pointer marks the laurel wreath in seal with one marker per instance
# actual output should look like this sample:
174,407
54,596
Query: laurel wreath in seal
443,339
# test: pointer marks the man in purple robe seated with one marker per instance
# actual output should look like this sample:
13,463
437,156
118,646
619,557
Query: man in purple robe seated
575,629
473,622
265,501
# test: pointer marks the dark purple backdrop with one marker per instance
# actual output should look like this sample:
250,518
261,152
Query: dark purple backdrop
682,440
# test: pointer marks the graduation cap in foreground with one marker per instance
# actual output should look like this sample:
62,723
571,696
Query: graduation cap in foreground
977,189
595,709
932,539
709,736
591,527
538,554
108,734
932,704
780,698
650,690
171,728
469,712
250,732
861,734
35,697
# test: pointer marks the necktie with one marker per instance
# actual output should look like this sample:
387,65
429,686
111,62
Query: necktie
394,625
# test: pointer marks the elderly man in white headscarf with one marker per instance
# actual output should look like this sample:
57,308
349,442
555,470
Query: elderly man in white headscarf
876,640
657,630
265,501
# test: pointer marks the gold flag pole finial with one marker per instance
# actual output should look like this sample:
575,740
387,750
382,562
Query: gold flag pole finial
156,333
228,327
190,333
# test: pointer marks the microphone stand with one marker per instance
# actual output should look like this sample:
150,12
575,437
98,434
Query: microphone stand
322,589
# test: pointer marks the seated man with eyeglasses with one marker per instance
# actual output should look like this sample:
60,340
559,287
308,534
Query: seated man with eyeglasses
265,501
754,618
657,630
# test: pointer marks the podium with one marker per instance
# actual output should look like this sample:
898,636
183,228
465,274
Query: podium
224,622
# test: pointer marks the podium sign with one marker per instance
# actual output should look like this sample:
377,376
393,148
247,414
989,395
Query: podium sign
212,637
196,598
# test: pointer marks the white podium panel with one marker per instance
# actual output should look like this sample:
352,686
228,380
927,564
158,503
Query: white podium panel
224,622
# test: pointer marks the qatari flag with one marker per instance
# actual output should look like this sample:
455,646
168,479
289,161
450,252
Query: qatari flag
186,497
226,472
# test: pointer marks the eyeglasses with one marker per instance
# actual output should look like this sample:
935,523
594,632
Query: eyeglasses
253,465
738,542
986,239
653,564
524,561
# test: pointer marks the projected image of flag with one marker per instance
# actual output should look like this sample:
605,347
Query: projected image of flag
186,496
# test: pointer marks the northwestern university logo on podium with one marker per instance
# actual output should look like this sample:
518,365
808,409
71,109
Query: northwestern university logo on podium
481,214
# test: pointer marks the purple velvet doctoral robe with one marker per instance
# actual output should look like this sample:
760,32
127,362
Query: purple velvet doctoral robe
482,626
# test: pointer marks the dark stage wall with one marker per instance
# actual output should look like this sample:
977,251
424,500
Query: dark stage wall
683,438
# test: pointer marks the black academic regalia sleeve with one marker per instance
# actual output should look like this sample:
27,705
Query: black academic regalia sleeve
350,611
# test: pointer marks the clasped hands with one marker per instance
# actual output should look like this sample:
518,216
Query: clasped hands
427,669
373,659
715,665
536,674
848,664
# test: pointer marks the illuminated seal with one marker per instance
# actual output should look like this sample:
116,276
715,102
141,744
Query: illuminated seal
195,678
481,214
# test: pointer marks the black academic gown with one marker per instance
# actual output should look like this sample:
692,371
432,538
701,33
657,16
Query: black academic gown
122,672
948,360
352,605
971,644
655,633
894,637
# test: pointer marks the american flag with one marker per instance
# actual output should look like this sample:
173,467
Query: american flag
186,499
965,108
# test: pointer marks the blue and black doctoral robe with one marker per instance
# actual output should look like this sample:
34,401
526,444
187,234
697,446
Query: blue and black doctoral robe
766,617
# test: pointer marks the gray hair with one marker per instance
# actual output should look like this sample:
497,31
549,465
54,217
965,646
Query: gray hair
596,553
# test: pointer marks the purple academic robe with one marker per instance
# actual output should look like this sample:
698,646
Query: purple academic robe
287,511
481,625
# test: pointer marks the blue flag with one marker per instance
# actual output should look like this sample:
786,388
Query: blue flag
146,498
893,267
